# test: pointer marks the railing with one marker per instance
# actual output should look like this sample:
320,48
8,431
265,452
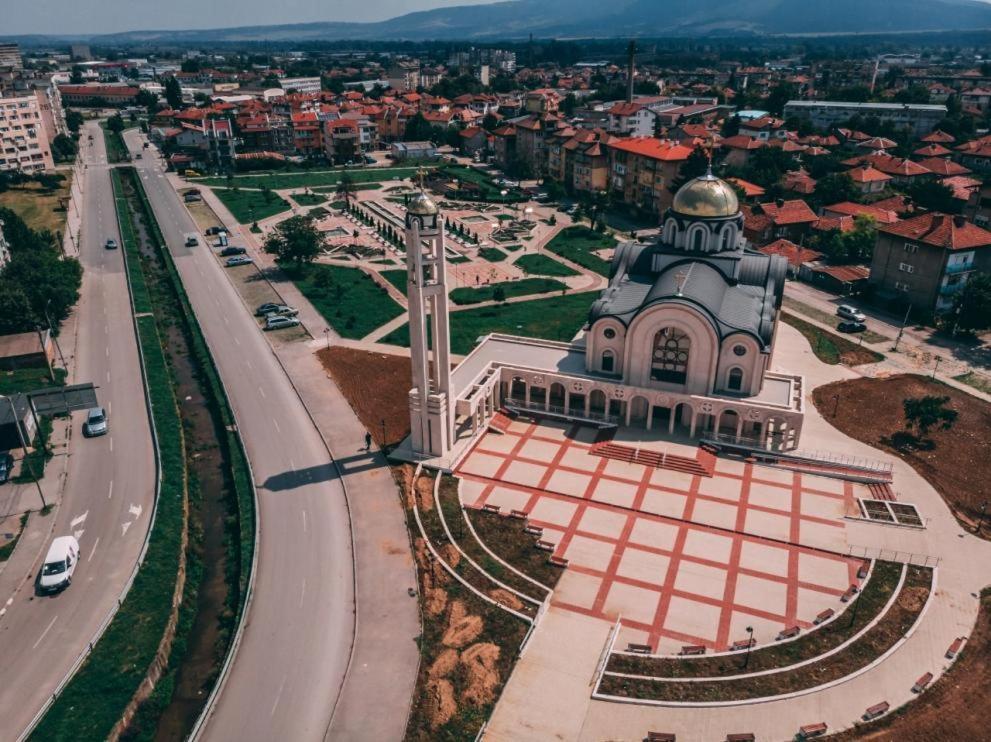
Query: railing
953,268
817,457
560,411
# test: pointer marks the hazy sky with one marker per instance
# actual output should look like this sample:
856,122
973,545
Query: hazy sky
105,16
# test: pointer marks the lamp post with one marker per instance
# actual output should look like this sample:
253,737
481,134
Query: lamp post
51,329
24,448
750,643
836,403
936,367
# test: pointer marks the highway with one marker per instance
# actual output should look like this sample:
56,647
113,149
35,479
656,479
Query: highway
110,488
294,653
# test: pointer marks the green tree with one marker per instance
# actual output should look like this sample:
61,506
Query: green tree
173,93
933,195
499,294
76,76
295,240
922,414
345,187
63,148
73,120
115,123
833,189
972,307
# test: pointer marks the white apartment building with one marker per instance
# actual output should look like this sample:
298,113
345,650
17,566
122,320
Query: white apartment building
24,133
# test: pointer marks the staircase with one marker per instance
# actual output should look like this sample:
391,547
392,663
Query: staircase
882,491
702,466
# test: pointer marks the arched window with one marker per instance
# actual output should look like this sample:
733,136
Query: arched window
608,361
670,231
669,361
728,240
698,238
735,380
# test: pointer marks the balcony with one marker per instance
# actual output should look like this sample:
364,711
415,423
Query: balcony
953,269
951,288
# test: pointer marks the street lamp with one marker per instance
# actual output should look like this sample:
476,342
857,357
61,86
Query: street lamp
750,643
836,403
326,332
936,367
24,447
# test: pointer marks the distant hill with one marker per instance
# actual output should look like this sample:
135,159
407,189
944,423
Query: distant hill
594,18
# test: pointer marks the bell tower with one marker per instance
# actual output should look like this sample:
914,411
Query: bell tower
430,411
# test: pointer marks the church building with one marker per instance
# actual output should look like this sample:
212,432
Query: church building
680,341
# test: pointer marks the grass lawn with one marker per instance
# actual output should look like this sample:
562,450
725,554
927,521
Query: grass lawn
831,348
397,278
281,181
251,206
488,189
978,381
555,318
541,265
469,295
308,199
116,149
492,254
348,298
37,207
28,379
577,245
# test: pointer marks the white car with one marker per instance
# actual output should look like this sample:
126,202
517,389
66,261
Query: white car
851,313
60,563
277,322
96,423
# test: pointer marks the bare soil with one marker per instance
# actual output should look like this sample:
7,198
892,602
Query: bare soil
957,462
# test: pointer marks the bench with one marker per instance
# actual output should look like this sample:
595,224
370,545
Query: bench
851,591
557,561
638,648
742,644
545,546
491,509
692,649
534,531
878,709
660,737
824,616
518,514
922,682
740,737
790,632
812,730
954,648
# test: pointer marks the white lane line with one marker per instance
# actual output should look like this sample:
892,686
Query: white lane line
236,341
292,465
304,521
108,351
278,696
111,443
302,593
248,364
111,492
277,425
44,633
93,550
108,376
261,391
106,329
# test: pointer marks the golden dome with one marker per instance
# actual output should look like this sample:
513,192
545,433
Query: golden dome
421,205
706,196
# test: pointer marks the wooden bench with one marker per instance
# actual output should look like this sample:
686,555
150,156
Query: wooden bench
954,648
851,591
545,546
878,709
518,514
557,561
824,616
534,531
740,737
742,644
660,737
638,648
492,509
790,632
922,682
692,649
812,730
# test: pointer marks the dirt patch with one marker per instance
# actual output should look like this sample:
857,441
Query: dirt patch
948,710
958,464
481,677
386,412
506,598
462,627
450,554
439,702
446,662
425,494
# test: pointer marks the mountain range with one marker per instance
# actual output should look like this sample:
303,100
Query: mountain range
515,19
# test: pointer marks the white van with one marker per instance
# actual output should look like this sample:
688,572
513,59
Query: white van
60,563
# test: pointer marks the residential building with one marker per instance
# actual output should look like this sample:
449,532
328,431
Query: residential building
504,146
796,255
632,120
474,139
921,118
869,179
98,95
405,151
342,140
925,260
307,133
739,148
25,140
642,170
763,128
531,141
404,77
10,57
300,84
766,222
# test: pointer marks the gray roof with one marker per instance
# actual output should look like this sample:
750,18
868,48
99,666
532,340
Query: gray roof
737,291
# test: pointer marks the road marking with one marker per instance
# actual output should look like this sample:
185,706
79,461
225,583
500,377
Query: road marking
278,696
261,391
93,550
248,364
45,633
292,465
79,519
302,593
124,527
236,341
106,329
111,443
304,521
111,492
108,376
108,351
276,425
135,510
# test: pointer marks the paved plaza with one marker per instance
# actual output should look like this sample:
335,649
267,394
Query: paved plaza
681,557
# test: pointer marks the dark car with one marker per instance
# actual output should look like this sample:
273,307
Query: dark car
6,465
851,327
228,251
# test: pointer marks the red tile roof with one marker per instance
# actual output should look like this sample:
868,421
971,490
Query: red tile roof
741,141
655,149
944,167
795,211
849,208
794,254
940,230
867,174
940,137
844,273
750,190
933,150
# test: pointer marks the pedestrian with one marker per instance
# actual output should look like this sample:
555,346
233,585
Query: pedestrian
368,441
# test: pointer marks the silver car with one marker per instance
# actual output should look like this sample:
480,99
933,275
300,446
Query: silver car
96,423
277,322
237,260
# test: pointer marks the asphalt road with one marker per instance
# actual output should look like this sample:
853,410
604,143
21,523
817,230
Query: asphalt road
294,653
110,488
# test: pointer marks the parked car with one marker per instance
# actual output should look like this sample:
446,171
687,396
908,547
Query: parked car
192,240
238,260
6,466
214,230
232,250
137,156
851,327
282,310
110,244
277,322
59,565
96,423
265,308
850,313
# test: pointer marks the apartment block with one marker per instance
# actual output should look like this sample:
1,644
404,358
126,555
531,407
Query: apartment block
24,136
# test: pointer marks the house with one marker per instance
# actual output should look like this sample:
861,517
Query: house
473,139
796,255
751,191
642,169
26,350
532,133
631,120
17,422
799,182
869,179
116,96
925,260
842,280
504,146
738,149
763,129
407,151
943,168
851,209
765,222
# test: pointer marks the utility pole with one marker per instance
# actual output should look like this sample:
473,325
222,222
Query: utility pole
901,329
24,447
